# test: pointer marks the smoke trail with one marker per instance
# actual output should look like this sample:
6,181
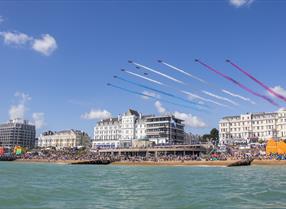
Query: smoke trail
182,91
219,97
157,72
182,71
152,97
205,82
237,83
159,91
238,96
143,77
203,99
172,78
257,81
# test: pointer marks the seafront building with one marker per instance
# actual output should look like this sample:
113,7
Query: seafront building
253,127
165,129
64,139
17,132
128,128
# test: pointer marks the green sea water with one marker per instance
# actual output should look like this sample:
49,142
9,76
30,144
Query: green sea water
24,185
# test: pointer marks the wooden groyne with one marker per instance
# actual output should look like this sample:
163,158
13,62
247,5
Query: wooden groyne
93,162
241,163
7,158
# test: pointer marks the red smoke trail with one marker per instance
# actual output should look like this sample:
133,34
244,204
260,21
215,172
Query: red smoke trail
257,81
207,83
238,84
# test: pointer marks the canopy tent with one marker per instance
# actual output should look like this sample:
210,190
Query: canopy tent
18,150
281,147
275,147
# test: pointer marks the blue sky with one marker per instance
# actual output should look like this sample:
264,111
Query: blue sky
63,53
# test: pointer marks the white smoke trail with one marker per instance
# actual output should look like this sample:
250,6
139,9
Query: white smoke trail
143,77
219,97
203,99
159,73
238,96
184,72
205,82
182,91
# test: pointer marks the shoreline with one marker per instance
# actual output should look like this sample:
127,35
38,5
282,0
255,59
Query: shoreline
200,163
160,163
67,162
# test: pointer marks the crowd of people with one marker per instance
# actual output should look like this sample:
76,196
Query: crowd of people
61,155
82,154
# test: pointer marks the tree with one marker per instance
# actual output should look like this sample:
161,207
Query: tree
214,135
206,138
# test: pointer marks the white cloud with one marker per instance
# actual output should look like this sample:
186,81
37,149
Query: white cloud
281,109
194,97
1,19
96,114
18,111
148,93
15,38
190,120
45,45
23,97
278,90
160,107
39,119
241,3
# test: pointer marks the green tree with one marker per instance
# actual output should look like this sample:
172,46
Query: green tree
206,138
214,135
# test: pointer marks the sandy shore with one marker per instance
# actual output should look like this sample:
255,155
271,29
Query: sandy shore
269,162
46,161
199,163
161,163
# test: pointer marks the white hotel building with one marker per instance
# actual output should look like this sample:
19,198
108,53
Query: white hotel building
122,130
64,139
253,126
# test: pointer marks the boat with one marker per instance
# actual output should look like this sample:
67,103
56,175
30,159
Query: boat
246,162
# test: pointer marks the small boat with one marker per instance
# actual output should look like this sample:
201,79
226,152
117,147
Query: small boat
241,163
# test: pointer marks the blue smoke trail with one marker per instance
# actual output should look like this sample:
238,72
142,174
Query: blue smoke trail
159,91
179,81
155,98
179,90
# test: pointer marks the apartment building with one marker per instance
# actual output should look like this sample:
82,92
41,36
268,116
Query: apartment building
253,126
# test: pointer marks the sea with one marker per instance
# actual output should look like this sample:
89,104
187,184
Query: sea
51,186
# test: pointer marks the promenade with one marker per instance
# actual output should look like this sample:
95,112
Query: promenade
178,150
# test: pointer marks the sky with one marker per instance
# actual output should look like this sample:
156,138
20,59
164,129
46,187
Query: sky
58,56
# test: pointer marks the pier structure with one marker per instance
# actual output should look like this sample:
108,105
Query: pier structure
180,150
